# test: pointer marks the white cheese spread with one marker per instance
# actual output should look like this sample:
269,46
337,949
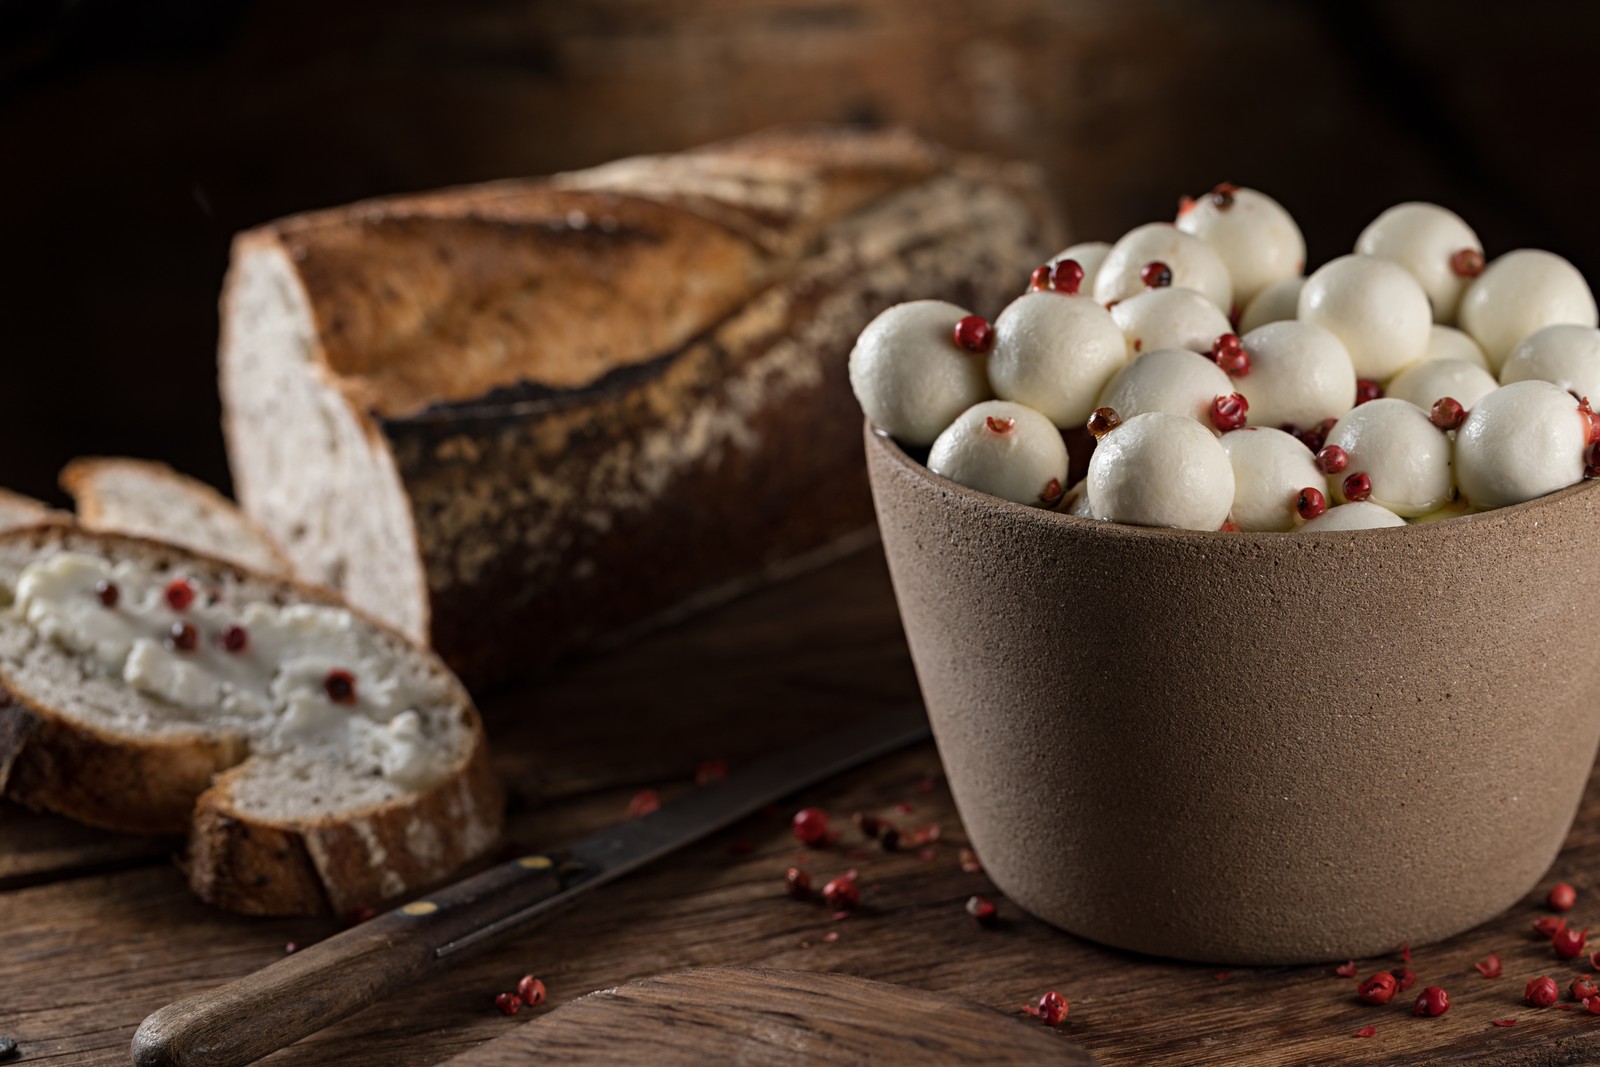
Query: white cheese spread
298,676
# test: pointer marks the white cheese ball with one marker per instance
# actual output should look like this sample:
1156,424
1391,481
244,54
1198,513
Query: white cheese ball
1055,353
1089,255
1077,502
1300,374
1194,264
1568,356
1447,342
1003,449
1520,293
1422,238
1423,383
1170,318
910,376
1375,307
1278,302
1361,515
1401,450
1269,469
1175,381
1158,469
1256,238
1453,510
1521,441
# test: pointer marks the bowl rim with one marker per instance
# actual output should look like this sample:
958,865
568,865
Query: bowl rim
1460,524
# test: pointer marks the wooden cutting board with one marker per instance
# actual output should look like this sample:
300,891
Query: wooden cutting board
777,1019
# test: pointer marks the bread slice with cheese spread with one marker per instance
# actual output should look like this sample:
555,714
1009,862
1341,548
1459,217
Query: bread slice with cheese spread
318,761
149,499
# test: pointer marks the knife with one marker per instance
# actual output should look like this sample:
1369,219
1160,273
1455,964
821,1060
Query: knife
300,994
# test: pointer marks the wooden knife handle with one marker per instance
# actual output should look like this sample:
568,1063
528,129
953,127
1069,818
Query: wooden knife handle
300,994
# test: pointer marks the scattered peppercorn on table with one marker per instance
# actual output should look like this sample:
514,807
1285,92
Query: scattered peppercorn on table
100,929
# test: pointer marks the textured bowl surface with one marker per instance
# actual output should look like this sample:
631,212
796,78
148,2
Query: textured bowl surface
1252,748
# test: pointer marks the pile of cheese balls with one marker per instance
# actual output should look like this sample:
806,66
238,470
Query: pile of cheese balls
1410,380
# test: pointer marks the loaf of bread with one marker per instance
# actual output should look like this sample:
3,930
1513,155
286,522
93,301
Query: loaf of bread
516,418
318,761
150,499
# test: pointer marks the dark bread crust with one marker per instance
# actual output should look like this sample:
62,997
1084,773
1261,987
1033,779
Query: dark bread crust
248,867
442,264
443,297
16,726
50,763
178,784
649,353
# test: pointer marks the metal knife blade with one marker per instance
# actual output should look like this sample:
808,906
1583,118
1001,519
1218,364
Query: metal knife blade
300,994
616,850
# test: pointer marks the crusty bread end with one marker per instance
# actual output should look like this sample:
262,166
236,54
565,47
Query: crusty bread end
149,499
338,864
17,511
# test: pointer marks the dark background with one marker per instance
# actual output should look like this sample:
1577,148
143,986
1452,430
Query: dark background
137,135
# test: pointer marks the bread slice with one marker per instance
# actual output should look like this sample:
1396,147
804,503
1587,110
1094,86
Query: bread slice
150,499
519,418
17,511
294,803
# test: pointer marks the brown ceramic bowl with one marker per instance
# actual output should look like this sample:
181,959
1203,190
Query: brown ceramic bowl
1252,748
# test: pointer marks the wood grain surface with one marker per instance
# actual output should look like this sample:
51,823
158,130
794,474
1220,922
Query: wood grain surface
775,1018
88,950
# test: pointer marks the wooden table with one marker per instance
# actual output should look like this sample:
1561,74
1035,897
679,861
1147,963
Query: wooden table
97,930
